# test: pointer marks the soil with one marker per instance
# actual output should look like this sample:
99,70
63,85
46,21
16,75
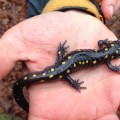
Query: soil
11,13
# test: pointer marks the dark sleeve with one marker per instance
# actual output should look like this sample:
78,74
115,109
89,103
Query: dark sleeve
35,7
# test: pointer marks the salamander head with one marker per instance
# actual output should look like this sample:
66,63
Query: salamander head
117,47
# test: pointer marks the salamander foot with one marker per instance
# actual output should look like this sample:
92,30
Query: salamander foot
77,85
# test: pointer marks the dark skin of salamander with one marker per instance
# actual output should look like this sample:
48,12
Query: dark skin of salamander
67,64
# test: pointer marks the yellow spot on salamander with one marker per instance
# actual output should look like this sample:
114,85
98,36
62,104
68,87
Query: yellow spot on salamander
68,71
80,62
44,74
69,57
116,51
63,62
83,63
112,45
59,52
112,56
25,78
106,49
52,69
86,61
60,76
106,56
34,75
74,65
94,62
51,76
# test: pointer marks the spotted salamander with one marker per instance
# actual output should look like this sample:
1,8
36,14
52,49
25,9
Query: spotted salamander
67,64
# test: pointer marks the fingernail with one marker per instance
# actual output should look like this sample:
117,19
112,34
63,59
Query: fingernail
111,10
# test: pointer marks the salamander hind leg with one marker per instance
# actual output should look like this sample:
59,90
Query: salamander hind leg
114,68
74,83
61,51
101,43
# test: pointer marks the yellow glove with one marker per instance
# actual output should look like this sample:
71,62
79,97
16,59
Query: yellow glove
83,5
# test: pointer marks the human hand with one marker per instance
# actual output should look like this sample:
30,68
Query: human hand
109,7
35,41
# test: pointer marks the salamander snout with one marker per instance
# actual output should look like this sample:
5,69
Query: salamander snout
117,51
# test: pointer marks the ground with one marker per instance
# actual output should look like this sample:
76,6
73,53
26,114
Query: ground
11,13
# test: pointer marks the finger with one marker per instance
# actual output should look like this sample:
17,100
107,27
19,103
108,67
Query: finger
108,7
7,62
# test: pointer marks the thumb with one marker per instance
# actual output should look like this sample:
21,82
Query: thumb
8,53
108,7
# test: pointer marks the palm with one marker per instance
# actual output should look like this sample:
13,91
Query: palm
58,100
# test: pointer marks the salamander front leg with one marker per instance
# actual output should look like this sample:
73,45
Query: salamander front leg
114,68
74,83
61,51
101,43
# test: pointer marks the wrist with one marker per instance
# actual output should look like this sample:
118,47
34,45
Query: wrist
82,17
